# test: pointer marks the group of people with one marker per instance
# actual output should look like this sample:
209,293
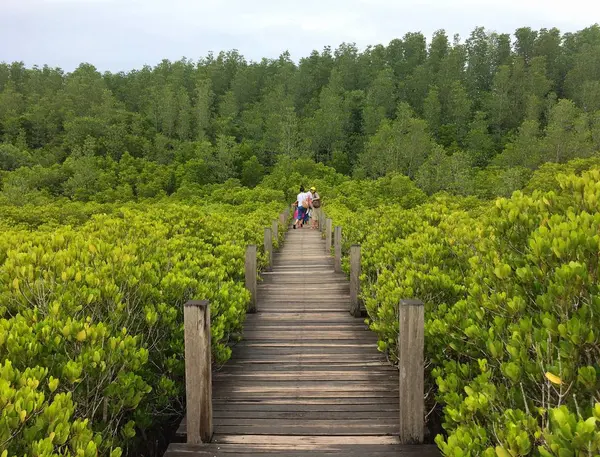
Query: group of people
308,208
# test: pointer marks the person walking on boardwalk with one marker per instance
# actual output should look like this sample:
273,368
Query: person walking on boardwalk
316,208
303,203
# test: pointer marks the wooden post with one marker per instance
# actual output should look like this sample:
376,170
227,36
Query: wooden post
282,219
411,346
198,377
321,220
337,265
275,230
354,279
269,247
328,236
251,276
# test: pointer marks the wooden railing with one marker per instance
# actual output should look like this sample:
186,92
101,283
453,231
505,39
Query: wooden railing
197,337
411,341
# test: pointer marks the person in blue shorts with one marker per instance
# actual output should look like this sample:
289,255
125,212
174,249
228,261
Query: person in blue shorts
302,202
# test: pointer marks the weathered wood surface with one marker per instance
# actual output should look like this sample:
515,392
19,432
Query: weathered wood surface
307,379
250,276
337,259
198,371
354,280
411,343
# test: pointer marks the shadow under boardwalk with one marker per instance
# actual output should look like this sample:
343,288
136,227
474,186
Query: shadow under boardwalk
307,378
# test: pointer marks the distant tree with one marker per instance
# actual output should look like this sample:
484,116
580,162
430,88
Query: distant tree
479,142
380,102
524,150
252,172
203,108
567,134
12,157
441,172
402,145
432,110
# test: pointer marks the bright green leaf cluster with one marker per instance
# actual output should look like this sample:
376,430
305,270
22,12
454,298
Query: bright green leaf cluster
512,306
91,314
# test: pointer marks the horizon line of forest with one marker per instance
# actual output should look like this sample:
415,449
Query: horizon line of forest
472,118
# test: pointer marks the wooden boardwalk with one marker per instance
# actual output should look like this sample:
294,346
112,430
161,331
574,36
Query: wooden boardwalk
307,379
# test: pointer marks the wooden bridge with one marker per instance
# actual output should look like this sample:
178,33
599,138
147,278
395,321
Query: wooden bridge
306,380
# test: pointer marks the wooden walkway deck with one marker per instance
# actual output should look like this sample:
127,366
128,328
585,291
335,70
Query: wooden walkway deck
307,378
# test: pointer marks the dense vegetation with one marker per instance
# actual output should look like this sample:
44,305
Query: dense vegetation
439,112
122,195
91,315
512,307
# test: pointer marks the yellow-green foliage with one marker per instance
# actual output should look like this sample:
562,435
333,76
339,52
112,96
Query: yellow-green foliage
512,311
91,337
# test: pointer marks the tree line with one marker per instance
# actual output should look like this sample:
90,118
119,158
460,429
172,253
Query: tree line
472,117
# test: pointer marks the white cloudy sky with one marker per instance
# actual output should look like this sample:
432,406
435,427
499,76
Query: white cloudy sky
124,34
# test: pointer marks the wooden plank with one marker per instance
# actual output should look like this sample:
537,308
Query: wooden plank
323,272
281,353
373,416
304,385
308,429
295,440
298,392
309,401
294,361
379,364
269,376
282,323
306,334
299,422
411,367
306,379
303,446
267,408
315,317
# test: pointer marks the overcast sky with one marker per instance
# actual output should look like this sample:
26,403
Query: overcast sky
125,34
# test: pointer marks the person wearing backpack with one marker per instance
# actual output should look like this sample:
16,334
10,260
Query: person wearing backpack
316,213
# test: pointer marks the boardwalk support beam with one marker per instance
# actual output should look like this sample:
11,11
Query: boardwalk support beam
354,279
328,236
337,266
269,247
250,266
198,385
411,345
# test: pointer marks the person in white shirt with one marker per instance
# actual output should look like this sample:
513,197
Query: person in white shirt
303,203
